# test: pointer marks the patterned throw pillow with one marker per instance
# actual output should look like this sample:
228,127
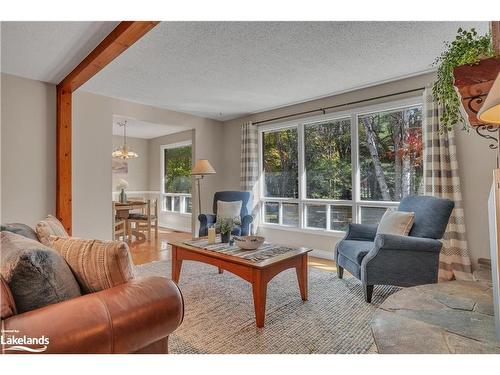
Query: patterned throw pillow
36,274
50,226
396,222
229,210
97,265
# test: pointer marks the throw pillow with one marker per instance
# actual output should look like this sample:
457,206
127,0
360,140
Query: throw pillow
36,274
229,210
396,222
50,226
97,265
22,229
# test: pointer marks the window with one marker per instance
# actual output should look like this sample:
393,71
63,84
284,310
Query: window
280,159
390,154
176,169
323,173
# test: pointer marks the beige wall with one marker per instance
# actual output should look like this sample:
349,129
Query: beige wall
138,168
475,158
28,143
92,123
476,161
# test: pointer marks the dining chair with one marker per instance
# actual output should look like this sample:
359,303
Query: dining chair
144,220
120,226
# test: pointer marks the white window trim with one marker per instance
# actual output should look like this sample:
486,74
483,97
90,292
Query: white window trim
163,194
356,203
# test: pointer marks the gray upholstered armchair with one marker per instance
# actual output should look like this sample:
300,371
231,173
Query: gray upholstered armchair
385,259
207,220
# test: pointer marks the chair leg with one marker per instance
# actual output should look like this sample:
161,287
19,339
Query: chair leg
340,271
368,291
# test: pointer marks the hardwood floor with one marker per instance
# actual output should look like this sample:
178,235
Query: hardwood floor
157,249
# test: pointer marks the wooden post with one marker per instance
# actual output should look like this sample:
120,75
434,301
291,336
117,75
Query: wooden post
495,35
63,157
120,39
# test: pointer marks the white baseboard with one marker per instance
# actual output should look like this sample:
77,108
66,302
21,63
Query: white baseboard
174,227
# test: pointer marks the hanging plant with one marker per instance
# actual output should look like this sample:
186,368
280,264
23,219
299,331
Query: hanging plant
467,48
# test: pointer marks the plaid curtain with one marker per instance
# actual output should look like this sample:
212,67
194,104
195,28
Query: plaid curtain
249,163
442,180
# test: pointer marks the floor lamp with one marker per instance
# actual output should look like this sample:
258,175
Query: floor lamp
201,168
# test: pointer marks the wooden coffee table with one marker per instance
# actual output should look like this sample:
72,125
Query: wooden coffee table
257,273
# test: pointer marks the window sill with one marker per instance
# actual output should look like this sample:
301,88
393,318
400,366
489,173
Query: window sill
319,232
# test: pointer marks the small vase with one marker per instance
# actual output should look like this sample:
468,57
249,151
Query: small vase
123,196
225,237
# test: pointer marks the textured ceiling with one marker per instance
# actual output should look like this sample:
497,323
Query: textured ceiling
224,70
142,129
48,51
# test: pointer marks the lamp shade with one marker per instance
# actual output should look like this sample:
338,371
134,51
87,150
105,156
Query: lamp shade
490,111
202,167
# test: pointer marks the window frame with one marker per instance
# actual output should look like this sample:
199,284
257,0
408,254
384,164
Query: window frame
356,203
163,193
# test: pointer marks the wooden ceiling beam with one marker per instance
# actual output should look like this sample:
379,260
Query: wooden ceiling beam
121,38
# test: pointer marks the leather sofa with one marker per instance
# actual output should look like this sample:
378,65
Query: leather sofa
134,317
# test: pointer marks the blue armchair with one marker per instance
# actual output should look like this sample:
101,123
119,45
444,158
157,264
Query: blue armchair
207,220
384,259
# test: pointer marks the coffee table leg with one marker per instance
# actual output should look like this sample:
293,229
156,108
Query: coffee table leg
259,298
301,269
176,265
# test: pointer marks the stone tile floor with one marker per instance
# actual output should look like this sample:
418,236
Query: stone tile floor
448,317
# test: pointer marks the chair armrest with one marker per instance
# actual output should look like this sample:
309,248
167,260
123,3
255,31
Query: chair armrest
394,242
122,319
246,221
205,221
361,232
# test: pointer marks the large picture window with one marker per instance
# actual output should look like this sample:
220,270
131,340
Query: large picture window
323,173
176,169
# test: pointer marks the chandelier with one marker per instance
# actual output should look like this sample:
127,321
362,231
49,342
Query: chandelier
124,152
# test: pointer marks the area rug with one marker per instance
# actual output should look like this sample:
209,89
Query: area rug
219,315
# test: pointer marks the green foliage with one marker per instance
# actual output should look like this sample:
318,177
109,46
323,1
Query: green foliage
328,159
398,137
281,163
178,170
467,48
226,225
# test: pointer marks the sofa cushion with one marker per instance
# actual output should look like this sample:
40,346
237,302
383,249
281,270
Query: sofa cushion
21,229
36,275
355,250
50,226
97,265
396,222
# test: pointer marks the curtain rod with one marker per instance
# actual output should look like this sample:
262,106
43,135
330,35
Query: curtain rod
324,109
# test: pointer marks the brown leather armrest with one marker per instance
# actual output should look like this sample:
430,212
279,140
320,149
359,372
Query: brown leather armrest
122,319
7,304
